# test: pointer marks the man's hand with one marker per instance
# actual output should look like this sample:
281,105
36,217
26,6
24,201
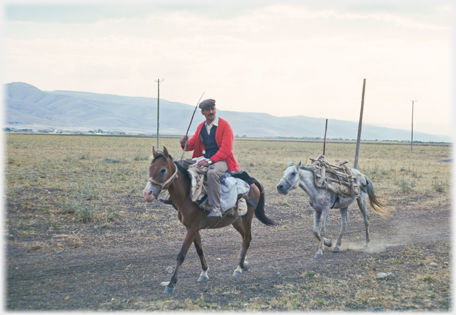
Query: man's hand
203,163
183,140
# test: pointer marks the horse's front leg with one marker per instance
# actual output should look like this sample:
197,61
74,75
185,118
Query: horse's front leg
199,249
319,232
188,239
344,221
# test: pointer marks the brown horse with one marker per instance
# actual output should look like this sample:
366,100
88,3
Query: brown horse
164,173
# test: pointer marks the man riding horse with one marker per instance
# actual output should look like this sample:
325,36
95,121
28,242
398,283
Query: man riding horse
212,140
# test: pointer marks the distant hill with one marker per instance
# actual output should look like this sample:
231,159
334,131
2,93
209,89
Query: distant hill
30,107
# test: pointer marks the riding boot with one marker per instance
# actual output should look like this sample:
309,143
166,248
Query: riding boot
216,212
168,202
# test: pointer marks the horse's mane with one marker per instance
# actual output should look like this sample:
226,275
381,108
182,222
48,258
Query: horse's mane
184,172
161,155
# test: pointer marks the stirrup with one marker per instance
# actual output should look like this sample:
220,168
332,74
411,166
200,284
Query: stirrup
166,201
215,213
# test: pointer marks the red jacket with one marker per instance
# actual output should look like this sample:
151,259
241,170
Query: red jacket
224,138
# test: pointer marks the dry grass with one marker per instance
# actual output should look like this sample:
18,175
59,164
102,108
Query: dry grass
81,178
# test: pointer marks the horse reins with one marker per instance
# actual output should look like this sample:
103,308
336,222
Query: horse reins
163,184
291,185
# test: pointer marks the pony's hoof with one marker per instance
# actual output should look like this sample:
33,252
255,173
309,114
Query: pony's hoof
328,243
336,250
203,279
246,267
168,290
366,247
237,274
318,256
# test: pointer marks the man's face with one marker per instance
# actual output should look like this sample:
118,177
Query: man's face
209,113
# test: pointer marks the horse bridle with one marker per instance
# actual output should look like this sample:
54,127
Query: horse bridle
297,180
163,184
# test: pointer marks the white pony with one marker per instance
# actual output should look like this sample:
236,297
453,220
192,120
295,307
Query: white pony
322,200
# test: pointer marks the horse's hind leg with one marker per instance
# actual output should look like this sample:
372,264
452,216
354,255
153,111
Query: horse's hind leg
362,203
199,249
343,217
244,228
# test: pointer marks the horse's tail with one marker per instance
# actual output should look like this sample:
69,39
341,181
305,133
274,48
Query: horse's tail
376,205
259,210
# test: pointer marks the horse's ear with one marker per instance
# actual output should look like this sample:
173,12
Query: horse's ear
165,152
153,151
299,165
289,163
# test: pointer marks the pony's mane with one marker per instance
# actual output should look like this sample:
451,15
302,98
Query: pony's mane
184,172
161,155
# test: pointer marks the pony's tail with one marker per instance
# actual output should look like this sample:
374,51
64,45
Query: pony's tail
376,205
259,210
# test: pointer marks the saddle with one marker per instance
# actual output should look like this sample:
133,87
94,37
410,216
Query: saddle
338,178
233,193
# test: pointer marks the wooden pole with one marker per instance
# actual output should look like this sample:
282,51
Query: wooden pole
324,140
158,113
360,125
413,104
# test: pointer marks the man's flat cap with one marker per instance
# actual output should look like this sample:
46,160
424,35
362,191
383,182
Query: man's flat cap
207,104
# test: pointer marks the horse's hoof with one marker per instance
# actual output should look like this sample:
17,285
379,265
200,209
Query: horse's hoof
366,247
168,290
318,256
164,283
328,243
203,278
336,250
246,267
237,274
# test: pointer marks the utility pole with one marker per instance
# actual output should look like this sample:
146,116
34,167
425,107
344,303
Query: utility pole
158,112
413,104
360,126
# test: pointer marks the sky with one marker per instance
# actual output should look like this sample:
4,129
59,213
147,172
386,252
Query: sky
284,58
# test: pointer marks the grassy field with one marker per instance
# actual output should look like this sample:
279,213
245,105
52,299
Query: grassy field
63,184
90,171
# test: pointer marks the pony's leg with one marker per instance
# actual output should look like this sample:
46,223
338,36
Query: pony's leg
324,216
188,239
244,228
199,249
362,203
343,216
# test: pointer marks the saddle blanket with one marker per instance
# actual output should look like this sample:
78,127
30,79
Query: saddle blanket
232,191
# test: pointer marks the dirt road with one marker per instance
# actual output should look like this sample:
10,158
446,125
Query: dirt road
84,266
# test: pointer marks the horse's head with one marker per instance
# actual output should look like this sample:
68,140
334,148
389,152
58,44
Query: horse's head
162,172
290,178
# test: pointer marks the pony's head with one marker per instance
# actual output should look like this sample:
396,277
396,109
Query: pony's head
290,178
162,172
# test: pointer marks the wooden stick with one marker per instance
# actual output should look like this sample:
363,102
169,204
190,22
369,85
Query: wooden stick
360,126
324,141
186,134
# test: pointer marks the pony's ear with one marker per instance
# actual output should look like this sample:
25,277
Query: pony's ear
165,152
299,165
154,152
289,163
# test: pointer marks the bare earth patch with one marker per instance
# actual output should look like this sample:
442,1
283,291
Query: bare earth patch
120,267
